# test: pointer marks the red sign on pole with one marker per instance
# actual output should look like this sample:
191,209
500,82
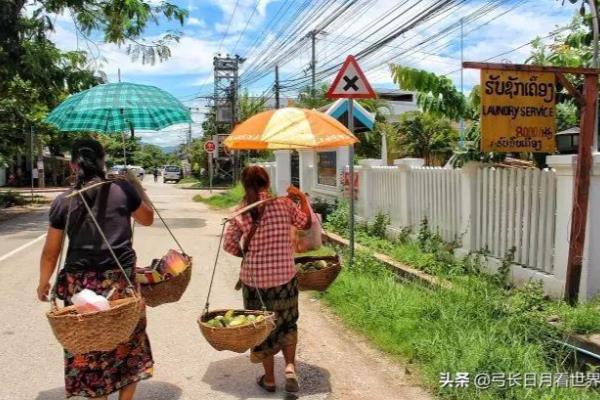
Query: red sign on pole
210,147
350,83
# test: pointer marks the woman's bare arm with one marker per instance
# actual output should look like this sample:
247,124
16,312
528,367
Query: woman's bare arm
144,214
50,253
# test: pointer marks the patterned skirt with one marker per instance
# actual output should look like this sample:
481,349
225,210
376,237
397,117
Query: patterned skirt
283,300
98,374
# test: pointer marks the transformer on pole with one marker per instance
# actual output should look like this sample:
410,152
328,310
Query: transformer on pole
225,103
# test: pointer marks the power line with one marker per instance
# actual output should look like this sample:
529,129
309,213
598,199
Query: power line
246,26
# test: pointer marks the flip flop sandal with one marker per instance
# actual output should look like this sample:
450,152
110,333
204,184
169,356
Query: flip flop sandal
261,382
291,382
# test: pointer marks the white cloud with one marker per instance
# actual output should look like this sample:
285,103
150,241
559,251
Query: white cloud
193,21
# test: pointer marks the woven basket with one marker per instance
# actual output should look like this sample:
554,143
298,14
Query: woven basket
321,279
96,331
168,291
239,338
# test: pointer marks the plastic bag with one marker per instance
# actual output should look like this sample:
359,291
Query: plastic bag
308,239
87,301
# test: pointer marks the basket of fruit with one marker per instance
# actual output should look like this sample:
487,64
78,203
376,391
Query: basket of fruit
236,330
317,273
166,279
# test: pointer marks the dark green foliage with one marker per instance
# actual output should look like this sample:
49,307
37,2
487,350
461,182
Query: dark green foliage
323,207
9,199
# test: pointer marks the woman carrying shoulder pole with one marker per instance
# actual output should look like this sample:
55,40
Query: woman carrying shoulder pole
268,270
90,265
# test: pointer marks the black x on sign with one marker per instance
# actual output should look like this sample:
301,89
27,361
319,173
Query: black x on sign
350,82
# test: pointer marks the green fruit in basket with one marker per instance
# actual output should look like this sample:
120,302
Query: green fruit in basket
260,318
214,323
228,317
321,264
251,318
239,320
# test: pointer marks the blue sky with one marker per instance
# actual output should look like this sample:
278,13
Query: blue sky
211,28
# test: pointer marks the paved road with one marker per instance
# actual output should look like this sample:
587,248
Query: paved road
333,363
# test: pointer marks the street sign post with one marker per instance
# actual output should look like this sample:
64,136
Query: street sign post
351,83
210,147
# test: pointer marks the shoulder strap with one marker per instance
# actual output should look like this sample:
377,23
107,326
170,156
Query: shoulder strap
253,230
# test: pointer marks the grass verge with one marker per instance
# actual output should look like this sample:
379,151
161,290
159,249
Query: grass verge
11,199
481,325
474,327
226,199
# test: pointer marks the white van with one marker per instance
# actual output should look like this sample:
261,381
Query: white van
171,173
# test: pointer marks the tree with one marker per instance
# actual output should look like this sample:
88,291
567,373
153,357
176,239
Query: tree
436,95
149,156
35,76
425,136
250,106
307,98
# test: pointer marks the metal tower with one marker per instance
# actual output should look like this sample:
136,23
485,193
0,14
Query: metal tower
226,85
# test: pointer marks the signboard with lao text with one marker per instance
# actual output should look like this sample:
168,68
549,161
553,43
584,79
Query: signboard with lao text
517,111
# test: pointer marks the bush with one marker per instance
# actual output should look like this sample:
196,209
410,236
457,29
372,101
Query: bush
338,220
10,199
323,207
378,228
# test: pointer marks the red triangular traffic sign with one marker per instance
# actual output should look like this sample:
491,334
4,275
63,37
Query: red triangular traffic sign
350,82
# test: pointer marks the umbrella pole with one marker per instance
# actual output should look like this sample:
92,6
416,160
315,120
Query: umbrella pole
124,150
351,173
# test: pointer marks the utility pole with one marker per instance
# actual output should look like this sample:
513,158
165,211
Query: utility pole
277,100
462,81
595,59
313,61
40,162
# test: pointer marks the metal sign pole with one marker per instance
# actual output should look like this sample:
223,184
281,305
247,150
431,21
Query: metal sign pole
210,170
32,161
351,173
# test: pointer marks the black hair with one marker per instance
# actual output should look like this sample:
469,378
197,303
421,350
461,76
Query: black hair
88,155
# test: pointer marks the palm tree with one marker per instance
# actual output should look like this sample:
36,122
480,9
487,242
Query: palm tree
425,136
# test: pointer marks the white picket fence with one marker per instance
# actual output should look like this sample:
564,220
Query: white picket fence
435,195
489,210
517,208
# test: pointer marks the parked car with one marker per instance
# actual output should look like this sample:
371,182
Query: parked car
139,171
117,170
172,173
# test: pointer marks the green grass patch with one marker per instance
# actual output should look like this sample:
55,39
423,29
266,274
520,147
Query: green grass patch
226,199
476,327
10,199
189,179
482,325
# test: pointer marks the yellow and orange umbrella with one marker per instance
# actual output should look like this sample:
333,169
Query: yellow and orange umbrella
289,128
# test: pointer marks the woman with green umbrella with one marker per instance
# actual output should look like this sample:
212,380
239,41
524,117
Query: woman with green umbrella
89,264
109,108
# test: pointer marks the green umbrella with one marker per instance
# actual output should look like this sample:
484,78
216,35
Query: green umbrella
119,107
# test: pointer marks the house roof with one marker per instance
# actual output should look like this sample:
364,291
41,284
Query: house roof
339,111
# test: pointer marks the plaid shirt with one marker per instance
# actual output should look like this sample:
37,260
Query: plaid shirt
270,258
